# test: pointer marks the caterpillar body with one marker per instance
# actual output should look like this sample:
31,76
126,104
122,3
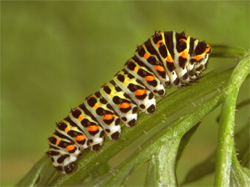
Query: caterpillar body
166,59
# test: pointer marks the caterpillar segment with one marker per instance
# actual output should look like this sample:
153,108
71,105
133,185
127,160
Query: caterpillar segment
147,55
146,77
135,89
120,102
166,59
89,126
105,115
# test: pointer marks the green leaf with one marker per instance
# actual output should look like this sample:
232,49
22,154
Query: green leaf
227,123
239,176
208,166
165,143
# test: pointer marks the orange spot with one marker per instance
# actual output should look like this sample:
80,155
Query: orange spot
57,142
80,138
146,55
159,68
158,43
170,59
66,129
81,117
149,78
140,92
70,147
124,105
93,128
183,40
107,116
184,54
198,57
91,95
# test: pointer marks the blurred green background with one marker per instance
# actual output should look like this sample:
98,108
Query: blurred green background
54,54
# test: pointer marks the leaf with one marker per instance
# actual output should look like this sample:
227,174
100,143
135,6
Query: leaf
227,123
169,138
239,175
208,166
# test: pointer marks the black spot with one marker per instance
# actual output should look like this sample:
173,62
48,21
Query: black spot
182,62
115,135
132,123
151,109
62,158
161,92
117,121
102,134
100,111
98,94
151,95
170,66
70,167
163,50
124,119
135,110
96,147
93,133
131,65
116,100
103,101
120,78
142,106
201,47
107,89
107,130
181,45
167,84
76,113
176,81
185,76
85,122
118,89
91,101
141,51
130,76
109,107
151,60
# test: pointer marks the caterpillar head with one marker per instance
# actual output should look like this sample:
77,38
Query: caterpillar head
200,58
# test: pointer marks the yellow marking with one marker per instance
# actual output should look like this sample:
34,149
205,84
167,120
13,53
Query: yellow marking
67,129
81,117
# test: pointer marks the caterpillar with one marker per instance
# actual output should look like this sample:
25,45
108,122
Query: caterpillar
166,59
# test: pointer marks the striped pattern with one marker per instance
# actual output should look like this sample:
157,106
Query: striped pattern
166,59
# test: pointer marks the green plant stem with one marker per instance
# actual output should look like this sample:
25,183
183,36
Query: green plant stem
227,122
224,51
